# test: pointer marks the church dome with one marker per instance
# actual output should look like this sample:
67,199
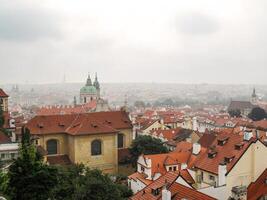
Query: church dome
88,90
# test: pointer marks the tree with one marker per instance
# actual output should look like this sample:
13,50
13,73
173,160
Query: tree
235,113
146,145
81,183
257,114
29,177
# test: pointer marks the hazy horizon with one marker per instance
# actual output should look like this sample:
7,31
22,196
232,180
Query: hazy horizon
175,41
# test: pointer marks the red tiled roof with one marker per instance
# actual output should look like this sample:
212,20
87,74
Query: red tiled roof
140,177
2,93
180,191
159,161
59,110
177,190
80,124
169,134
58,160
3,138
211,164
206,140
146,194
258,188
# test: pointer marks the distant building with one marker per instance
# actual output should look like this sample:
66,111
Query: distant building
245,107
91,91
254,97
3,100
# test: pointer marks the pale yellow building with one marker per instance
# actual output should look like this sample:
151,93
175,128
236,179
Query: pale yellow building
93,139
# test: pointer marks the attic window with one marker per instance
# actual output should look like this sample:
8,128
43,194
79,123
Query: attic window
109,122
40,125
156,192
94,125
61,124
212,154
238,146
228,159
75,125
222,141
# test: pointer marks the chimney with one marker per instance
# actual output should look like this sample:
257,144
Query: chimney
222,170
166,194
196,148
248,135
257,134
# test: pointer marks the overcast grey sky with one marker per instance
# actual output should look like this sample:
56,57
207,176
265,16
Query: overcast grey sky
183,41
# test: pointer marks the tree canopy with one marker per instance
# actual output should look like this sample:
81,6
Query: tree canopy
257,114
235,113
146,145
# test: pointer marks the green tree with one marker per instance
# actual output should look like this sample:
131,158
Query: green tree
80,183
235,113
146,145
29,177
257,114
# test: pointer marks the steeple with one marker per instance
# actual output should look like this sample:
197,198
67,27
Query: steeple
89,82
254,92
96,83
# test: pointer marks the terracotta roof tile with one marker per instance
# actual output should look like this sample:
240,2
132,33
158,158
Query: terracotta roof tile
3,138
2,93
206,163
80,124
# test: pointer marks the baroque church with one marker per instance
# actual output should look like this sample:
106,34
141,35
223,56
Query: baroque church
91,91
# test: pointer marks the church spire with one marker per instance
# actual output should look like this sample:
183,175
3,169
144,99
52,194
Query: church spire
89,81
96,83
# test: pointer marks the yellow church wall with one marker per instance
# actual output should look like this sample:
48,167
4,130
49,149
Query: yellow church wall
108,161
61,138
128,137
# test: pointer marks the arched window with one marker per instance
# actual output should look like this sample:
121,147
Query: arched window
120,140
51,147
84,100
96,148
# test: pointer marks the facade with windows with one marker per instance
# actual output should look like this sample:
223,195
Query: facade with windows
93,139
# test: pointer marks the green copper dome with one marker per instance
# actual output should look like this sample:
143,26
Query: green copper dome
88,89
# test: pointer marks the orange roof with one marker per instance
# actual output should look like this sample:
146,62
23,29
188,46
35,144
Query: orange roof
159,161
2,93
177,190
58,110
80,124
258,189
229,148
180,191
146,193
140,177
169,134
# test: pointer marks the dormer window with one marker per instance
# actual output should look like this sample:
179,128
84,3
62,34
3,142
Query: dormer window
212,154
156,192
222,141
40,125
228,159
238,146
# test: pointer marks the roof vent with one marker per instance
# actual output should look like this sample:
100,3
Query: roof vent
41,125
94,125
228,159
222,141
212,154
239,146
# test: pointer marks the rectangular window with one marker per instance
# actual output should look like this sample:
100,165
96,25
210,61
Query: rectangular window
212,178
13,155
3,155
142,169
174,168
170,168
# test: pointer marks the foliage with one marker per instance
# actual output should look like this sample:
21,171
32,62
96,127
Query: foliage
146,145
81,183
235,113
257,114
29,177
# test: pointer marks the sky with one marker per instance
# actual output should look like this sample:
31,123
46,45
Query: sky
164,41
